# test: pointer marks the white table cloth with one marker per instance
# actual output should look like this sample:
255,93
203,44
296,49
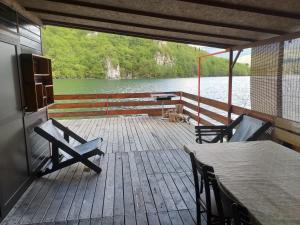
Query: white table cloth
262,175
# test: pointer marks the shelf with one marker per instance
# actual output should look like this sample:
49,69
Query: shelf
39,56
49,93
37,82
42,74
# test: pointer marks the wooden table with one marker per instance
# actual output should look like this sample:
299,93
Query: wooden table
262,175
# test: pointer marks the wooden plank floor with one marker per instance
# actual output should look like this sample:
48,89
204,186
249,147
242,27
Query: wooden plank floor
146,178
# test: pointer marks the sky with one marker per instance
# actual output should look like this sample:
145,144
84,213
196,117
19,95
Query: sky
245,56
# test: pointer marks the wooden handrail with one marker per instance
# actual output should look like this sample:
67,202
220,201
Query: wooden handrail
263,116
206,112
207,101
110,104
91,98
196,118
109,95
284,131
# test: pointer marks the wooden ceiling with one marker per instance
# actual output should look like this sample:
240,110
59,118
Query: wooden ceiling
216,23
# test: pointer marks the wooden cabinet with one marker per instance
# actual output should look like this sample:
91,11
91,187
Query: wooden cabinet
37,82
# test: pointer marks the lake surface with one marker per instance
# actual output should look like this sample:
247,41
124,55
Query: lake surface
211,87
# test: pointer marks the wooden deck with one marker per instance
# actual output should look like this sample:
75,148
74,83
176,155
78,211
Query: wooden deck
146,178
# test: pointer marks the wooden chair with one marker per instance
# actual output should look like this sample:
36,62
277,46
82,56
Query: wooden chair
240,215
62,153
246,129
209,197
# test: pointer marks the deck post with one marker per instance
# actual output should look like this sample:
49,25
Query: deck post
230,86
279,78
230,74
199,78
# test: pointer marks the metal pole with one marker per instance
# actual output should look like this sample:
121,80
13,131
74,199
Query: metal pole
199,74
230,86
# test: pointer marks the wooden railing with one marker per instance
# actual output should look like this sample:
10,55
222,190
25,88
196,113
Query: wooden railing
217,107
109,104
84,105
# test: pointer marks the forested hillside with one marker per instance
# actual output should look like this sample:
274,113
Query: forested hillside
84,54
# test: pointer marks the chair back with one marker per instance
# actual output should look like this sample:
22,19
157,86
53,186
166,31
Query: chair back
208,131
249,129
241,215
209,182
50,132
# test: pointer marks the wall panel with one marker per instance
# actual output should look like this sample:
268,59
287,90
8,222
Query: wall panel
21,150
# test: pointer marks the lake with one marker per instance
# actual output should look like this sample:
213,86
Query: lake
211,87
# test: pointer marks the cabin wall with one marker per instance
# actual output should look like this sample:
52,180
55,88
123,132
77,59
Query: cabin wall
21,150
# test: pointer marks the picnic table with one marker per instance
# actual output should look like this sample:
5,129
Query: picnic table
261,175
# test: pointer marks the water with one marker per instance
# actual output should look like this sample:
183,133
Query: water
211,87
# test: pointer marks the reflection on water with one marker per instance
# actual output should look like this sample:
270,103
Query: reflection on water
211,87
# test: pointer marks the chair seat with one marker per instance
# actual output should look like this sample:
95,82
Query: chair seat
88,146
227,203
208,139
64,154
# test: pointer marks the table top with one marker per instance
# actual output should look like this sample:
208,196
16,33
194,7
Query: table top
262,175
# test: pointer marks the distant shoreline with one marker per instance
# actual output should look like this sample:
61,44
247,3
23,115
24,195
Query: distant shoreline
153,78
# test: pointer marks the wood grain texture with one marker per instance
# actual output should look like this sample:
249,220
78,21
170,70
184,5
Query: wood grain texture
145,178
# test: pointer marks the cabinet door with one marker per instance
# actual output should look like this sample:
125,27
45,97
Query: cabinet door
13,160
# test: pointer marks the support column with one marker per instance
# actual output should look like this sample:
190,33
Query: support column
279,79
230,86
199,79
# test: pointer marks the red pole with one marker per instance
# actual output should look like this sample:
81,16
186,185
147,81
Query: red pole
199,74
230,85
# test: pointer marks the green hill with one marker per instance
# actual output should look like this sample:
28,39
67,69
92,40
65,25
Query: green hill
85,54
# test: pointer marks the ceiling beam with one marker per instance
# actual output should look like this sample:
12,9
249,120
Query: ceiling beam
167,17
134,34
267,41
13,4
145,26
245,8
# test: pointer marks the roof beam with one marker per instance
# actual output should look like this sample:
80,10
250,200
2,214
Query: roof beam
145,26
272,40
167,17
134,34
13,4
245,8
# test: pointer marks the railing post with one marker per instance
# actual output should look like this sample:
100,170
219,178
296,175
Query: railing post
107,105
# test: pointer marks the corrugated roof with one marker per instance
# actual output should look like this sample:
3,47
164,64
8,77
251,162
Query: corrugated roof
216,23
